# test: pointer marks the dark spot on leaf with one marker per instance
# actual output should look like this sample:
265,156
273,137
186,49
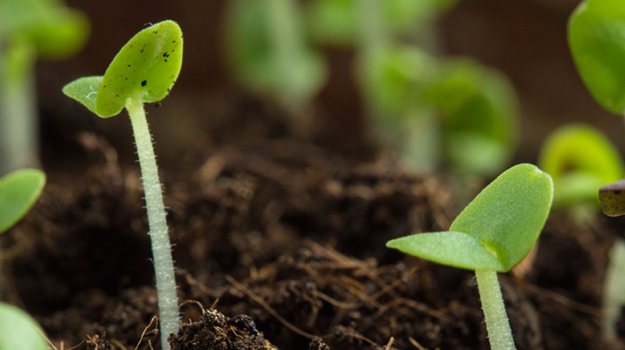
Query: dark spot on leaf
104,86
617,192
173,42
165,60
157,104
144,83
155,32
128,66
117,95
165,54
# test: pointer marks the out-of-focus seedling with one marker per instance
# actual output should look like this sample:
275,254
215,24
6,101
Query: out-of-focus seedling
268,53
597,42
492,234
28,29
479,117
19,191
614,289
143,71
18,331
581,160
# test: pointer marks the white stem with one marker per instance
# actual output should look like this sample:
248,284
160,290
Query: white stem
161,248
497,324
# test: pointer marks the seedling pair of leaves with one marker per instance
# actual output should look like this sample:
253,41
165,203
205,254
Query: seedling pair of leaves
144,71
597,42
492,234
581,160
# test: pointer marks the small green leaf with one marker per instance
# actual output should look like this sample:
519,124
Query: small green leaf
458,249
580,159
612,198
509,214
496,230
18,192
148,64
84,90
19,331
596,34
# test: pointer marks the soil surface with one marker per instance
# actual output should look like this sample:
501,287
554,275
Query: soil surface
279,241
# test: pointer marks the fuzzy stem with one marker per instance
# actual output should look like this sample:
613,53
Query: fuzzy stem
497,324
161,248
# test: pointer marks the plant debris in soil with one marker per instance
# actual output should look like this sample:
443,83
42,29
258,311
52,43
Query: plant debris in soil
283,240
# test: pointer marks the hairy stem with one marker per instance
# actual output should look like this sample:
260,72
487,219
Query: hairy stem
161,248
497,324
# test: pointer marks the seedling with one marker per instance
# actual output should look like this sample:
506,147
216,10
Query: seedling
143,71
28,29
19,191
18,331
492,234
581,160
597,42
266,49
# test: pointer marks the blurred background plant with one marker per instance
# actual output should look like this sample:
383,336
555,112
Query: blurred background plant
30,29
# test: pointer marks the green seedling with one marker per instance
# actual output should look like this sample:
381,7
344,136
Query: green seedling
143,71
479,117
30,29
492,234
597,41
19,331
581,160
19,191
267,52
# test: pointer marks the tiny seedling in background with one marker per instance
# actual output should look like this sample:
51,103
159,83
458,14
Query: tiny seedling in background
492,234
479,117
597,43
18,331
19,191
268,53
143,71
581,160
30,29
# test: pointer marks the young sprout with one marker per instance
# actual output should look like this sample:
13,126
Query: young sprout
143,71
266,49
492,234
18,331
28,29
597,42
580,159
19,191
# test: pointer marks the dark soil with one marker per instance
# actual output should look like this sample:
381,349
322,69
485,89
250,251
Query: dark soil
279,242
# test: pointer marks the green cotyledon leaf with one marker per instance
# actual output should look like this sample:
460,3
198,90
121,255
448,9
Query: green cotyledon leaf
496,230
148,66
84,90
596,34
18,192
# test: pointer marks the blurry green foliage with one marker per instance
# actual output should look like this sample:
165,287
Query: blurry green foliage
268,53
597,40
19,191
581,160
19,331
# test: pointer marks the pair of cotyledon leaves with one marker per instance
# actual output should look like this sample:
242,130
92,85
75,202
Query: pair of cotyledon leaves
146,68
496,230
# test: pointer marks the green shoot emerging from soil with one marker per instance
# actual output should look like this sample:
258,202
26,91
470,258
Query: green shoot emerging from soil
492,234
597,41
143,72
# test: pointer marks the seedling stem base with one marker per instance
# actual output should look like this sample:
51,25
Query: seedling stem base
161,248
497,324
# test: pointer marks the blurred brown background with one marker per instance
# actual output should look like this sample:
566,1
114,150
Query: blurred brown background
525,39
